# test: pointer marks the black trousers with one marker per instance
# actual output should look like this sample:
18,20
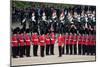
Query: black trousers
79,49
84,49
75,49
14,51
27,48
93,49
22,50
35,48
47,49
60,50
63,49
71,50
89,49
52,49
42,51
67,49
18,51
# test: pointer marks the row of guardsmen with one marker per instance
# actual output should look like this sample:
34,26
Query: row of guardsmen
21,43
69,44
77,44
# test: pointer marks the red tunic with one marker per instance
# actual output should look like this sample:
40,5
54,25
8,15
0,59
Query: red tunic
74,41
66,41
90,40
53,38
47,40
21,40
35,39
70,38
60,40
77,38
83,40
42,40
14,41
27,40
94,40
80,38
33,35
86,40
17,35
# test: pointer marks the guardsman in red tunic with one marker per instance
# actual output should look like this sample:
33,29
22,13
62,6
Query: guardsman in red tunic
18,31
81,44
70,42
63,40
53,39
79,39
60,44
66,43
85,44
14,45
27,42
35,42
84,37
42,44
75,43
89,45
22,44
47,41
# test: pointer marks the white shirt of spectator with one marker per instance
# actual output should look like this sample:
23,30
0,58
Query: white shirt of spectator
94,19
70,18
78,17
86,19
71,22
86,26
62,17
75,16
23,20
54,17
65,12
50,20
44,18
33,18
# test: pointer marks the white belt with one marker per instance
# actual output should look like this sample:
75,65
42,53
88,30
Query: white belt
35,39
21,40
14,41
27,40
41,41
